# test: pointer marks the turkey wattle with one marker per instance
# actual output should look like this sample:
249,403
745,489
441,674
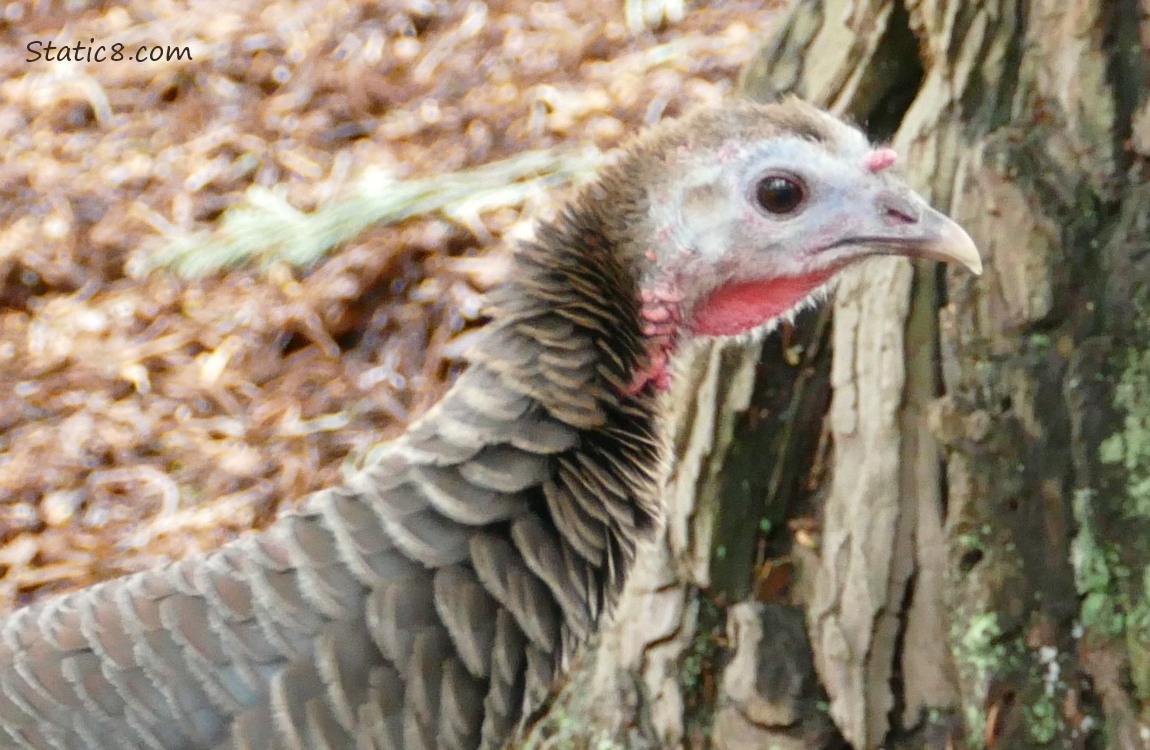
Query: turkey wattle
429,601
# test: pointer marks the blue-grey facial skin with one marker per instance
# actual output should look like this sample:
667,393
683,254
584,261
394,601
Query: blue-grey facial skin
712,229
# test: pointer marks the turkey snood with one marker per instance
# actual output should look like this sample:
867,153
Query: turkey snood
431,599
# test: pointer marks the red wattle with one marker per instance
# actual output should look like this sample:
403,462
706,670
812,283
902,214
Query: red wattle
743,306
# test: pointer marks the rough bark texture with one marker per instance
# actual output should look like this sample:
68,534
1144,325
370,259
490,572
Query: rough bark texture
982,575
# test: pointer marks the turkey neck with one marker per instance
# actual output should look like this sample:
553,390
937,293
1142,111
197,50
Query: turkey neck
567,333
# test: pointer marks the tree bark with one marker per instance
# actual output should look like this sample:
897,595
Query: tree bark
982,473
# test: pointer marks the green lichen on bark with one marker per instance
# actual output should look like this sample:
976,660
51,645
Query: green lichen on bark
1110,574
1098,574
700,666
1042,721
979,654
1129,447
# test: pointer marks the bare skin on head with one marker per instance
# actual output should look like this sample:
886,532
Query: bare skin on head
755,209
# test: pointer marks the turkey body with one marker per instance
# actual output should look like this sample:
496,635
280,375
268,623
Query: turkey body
425,603
429,601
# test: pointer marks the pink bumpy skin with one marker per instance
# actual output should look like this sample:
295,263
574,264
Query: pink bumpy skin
662,318
880,159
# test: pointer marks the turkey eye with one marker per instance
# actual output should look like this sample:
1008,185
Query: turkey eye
779,195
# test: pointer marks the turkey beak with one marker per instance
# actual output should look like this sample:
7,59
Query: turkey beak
941,238
917,230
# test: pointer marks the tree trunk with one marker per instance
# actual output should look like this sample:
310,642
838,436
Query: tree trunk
979,575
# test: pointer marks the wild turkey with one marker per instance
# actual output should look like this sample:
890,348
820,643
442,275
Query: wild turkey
430,600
